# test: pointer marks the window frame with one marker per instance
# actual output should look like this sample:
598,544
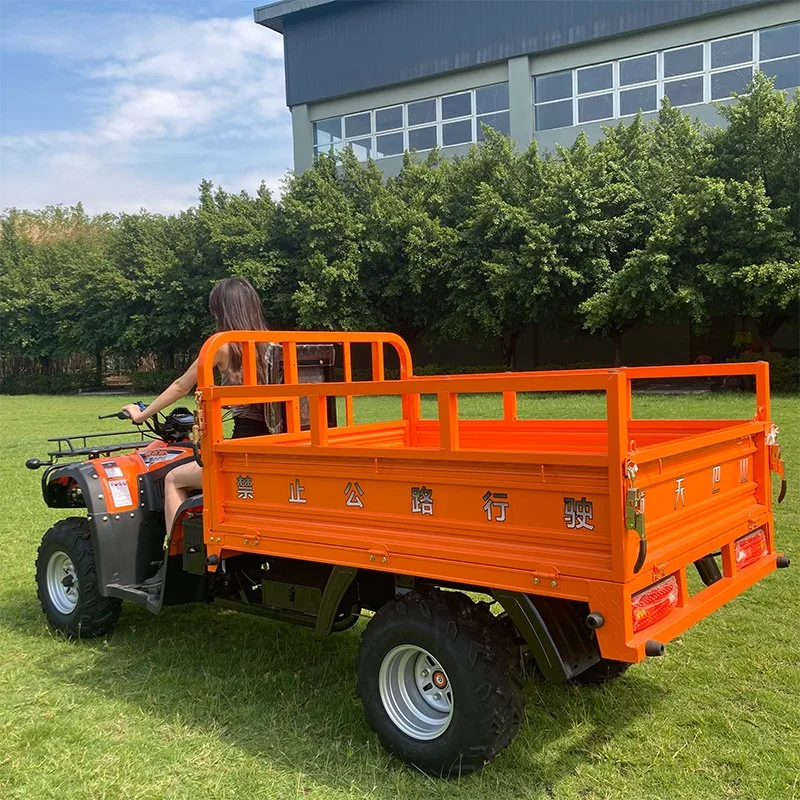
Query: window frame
661,82
437,123
757,44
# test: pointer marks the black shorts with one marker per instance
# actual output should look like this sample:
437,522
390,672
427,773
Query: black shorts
249,426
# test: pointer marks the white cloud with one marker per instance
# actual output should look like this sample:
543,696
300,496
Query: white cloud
170,102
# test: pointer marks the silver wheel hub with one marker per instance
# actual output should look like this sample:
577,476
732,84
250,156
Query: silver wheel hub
416,692
62,582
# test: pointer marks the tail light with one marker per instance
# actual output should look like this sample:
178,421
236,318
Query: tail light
750,548
654,603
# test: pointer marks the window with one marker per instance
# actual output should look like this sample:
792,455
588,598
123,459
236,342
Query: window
729,52
779,42
553,98
387,119
457,105
358,125
644,98
683,61
422,138
779,54
786,72
454,119
457,132
688,75
554,115
390,144
600,106
555,86
491,98
500,122
491,104
421,112
361,148
641,69
327,132
684,92
732,80
594,79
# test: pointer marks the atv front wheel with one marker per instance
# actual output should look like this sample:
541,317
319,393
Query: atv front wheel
440,682
66,581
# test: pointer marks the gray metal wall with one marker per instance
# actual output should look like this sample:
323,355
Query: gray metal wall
351,46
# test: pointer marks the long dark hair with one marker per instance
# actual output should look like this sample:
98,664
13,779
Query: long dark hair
236,306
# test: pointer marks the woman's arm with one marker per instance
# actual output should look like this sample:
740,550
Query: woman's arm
177,389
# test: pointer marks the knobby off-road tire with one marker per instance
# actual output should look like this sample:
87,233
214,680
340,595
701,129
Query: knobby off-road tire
66,582
440,681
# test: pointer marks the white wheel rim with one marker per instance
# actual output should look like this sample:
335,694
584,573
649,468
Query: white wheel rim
416,692
62,583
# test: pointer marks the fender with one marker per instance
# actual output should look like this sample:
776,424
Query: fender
340,580
125,545
77,485
555,630
531,625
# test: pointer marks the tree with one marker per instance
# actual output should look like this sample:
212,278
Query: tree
704,256
503,272
53,276
761,142
318,238
641,168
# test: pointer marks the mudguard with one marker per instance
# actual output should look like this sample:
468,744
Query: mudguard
127,545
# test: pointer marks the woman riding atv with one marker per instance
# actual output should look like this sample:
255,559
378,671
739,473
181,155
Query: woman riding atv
236,306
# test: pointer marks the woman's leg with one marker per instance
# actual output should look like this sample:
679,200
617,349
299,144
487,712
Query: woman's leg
176,488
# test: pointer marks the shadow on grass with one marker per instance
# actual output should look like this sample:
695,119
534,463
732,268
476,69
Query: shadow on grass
280,693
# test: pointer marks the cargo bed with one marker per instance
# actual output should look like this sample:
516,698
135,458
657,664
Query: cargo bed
593,511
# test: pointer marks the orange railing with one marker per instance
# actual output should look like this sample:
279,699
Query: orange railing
615,383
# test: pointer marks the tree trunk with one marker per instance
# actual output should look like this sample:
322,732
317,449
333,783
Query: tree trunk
617,349
767,328
98,367
509,342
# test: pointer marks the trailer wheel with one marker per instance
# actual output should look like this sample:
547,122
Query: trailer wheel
606,669
66,581
440,681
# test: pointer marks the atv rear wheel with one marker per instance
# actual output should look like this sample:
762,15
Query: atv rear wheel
439,678
66,581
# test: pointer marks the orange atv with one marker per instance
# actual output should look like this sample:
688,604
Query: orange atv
88,565
480,545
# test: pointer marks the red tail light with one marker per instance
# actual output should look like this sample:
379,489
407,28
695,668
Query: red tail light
750,548
654,603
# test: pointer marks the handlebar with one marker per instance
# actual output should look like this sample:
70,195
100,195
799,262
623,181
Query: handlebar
123,414
117,415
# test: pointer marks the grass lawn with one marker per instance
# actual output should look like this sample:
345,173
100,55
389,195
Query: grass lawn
204,703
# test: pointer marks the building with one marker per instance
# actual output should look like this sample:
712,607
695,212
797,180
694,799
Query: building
385,76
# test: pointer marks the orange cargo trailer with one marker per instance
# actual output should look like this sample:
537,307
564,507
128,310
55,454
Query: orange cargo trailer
581,531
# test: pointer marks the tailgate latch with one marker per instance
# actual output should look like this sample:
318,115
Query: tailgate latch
634,511
776,464
634,514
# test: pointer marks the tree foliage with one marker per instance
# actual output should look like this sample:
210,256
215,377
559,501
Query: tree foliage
665,220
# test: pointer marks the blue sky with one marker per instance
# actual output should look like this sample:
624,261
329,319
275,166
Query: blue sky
125,105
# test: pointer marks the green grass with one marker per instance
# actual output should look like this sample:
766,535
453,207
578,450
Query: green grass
204,703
